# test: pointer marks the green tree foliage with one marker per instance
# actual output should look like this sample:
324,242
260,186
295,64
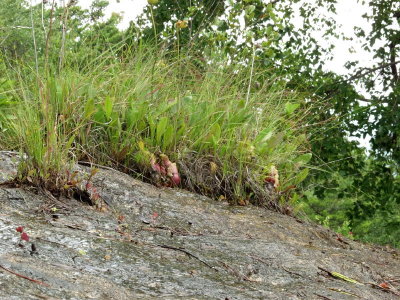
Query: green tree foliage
381,80
15,29
163,18
58,31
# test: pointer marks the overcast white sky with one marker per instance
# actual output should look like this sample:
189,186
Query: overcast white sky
130,9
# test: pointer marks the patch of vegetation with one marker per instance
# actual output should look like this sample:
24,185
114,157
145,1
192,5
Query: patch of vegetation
223,125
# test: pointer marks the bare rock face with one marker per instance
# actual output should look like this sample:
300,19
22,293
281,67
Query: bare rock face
167,243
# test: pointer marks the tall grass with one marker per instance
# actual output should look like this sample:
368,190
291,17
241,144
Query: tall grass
227,126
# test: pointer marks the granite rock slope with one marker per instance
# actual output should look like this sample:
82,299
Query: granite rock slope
151,243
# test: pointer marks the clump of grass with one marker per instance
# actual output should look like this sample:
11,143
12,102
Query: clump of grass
225,132
42,124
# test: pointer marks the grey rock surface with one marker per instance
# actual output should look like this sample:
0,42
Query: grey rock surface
155,243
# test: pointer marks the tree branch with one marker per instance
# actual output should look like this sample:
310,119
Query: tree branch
366,71
360,98
393,66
